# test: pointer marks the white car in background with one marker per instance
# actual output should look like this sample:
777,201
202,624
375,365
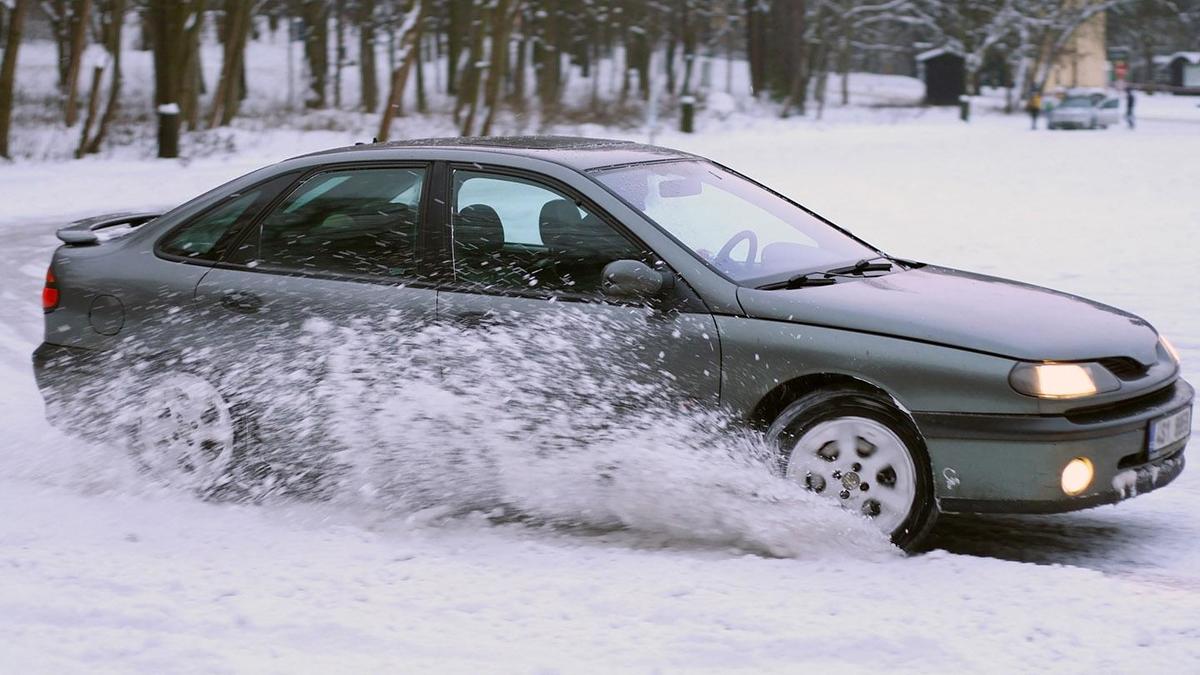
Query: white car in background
1085,111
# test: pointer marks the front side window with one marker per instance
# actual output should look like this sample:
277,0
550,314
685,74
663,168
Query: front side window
356,222
204,237
515,233
745,231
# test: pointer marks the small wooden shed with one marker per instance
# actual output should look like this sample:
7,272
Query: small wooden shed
943,72
1183,70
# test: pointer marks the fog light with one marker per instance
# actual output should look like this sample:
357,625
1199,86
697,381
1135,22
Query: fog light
1077,476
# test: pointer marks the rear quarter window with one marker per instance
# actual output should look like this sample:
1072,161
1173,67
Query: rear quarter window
207,236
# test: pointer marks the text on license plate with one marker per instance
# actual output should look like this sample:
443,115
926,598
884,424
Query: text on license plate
1170,429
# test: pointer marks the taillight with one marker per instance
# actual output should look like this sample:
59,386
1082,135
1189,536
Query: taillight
50,292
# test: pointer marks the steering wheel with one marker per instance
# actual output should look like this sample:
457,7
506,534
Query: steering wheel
722,256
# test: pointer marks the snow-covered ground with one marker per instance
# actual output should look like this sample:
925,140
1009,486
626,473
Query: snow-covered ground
102,571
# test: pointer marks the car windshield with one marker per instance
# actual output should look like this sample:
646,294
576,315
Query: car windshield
745,231
1077,103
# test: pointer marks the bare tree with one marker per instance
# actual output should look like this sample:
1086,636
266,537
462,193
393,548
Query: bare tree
315,14
228,94
366,55
409,30
168,20
8,69
112,20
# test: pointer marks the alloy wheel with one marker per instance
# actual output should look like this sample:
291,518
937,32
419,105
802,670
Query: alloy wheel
862,464
184,432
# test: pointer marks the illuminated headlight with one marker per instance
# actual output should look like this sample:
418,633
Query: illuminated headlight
1077,476
1062,380
1170,348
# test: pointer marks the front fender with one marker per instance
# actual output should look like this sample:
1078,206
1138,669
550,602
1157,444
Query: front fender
759,355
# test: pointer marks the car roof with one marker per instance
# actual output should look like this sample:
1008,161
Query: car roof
579,153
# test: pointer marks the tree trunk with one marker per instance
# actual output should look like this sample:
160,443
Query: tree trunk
167,22
501,28
339,50
468,89
756,46
316,49
79,24
400,74
517,96
547,58
366,55
797,96
192,84
689,47
60,26
844,55
8,69
112,40
226,98
92,108
454,31
419,65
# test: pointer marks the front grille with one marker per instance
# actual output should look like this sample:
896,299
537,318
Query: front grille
1124,367
1130,406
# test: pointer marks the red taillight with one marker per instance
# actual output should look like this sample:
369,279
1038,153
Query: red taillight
50,292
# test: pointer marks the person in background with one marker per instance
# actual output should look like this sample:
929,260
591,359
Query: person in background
1129,102
1035,109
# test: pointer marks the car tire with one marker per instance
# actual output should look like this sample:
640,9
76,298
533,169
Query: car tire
889,457
187,433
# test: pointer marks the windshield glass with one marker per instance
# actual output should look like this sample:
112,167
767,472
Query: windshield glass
1077,103
745,231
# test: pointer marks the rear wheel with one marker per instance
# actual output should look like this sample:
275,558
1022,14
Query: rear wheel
856,448
184,432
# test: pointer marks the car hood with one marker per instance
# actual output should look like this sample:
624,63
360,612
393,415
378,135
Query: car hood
965,310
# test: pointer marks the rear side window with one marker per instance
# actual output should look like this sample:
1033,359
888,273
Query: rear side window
206,237
355,222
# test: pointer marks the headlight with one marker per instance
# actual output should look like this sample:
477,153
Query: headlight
1062,380
1162,340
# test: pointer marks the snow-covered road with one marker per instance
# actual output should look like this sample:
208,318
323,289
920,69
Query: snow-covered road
101,571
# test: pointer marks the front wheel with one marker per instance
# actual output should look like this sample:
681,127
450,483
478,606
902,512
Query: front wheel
855,447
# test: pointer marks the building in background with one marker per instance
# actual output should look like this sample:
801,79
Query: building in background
1183,70
1084,60
943,72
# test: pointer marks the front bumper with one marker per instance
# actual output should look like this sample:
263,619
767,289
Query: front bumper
1013,463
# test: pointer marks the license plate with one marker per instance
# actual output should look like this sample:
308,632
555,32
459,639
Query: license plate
1173,428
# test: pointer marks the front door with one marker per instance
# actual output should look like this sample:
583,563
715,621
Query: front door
527,258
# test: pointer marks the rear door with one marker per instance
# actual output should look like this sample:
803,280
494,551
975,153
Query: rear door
527,255
335,265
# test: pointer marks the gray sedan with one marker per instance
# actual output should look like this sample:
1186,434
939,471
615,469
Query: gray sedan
1084,111
899,389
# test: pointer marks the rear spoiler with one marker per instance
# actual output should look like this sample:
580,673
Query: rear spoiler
83,232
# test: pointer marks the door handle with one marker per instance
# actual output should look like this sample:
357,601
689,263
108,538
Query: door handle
241,302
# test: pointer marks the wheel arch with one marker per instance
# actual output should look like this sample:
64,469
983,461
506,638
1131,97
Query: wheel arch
783,394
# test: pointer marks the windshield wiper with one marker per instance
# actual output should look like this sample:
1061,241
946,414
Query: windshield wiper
862,266
799,281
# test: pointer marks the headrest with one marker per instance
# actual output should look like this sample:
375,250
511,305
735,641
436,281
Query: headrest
477,228
560,225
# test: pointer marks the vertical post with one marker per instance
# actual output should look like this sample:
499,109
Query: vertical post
291,77
168,130
652,106
687,114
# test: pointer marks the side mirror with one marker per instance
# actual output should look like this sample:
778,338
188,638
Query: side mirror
631,279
